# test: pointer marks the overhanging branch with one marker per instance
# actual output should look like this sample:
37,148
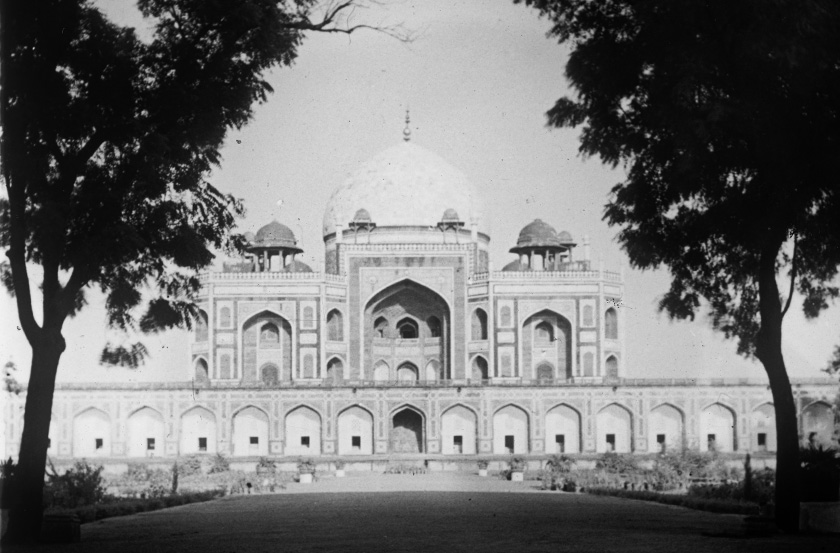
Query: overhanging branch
792,276
328,24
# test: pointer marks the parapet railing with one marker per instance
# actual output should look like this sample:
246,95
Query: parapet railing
270,276
447,383
546,275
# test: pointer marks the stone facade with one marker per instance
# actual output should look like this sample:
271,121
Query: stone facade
411,344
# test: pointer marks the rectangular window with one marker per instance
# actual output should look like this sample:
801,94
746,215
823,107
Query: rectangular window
356,442
99,443
610,442
304,441
560,440
762,441
254,440
711,440
202,444
660,438
458,444
509,443
150,444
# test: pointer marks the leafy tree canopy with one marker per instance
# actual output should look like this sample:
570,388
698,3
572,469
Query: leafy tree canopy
725,116
108,141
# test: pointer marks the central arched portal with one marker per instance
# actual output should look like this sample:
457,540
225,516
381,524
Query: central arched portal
407,326
407,431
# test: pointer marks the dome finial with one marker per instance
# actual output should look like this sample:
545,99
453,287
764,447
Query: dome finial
407,129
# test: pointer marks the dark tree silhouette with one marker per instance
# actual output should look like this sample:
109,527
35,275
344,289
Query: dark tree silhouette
107,144
724,115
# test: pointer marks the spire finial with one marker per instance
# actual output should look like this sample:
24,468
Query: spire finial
407,129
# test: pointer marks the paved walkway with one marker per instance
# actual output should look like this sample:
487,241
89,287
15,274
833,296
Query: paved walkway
438,512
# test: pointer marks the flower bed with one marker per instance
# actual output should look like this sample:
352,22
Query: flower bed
123,507
691,502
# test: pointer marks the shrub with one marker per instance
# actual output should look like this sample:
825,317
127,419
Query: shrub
517,464
819,473
306,466
560,464
267,464
190,465
483,464
616,463
218,463
78,486
339,464
7,469
711,505
403,468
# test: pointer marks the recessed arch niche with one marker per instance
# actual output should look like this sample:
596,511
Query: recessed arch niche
419,330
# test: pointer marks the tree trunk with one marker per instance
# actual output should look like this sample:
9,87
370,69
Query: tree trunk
26,509
769,352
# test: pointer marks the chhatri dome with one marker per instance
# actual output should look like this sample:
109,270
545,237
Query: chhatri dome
405,185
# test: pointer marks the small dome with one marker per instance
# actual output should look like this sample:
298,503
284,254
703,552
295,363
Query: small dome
537,234
297,267
450,216
565,238
362,216
249,236
276,235
516,266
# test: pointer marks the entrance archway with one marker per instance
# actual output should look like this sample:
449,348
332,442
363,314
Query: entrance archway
409,323
407,431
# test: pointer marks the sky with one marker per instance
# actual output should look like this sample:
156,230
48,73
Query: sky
477,79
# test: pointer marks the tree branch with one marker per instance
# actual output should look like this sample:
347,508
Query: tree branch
17,261
305,24
792,276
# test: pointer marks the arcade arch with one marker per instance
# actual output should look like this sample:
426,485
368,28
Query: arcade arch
145,431
355,431
818,423
764,428
614,429
665,429
92,433
250,432
303,432
717,428
458,431
407,434
510,430
562,430
198,431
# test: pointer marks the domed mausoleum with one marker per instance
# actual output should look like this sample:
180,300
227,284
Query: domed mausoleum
409,345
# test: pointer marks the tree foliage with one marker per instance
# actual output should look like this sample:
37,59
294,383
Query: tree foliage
725,116
107,146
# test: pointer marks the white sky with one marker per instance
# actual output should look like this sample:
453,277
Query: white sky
478,81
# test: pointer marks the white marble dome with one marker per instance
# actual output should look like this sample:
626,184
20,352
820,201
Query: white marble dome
405,186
